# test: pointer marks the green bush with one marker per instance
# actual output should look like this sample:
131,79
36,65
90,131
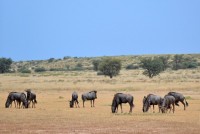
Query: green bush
24,70
40,69
57,69
131,66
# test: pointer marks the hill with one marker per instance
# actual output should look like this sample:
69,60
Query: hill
85,63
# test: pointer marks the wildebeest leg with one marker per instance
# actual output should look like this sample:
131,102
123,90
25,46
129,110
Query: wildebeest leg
93,103
183,104
159,108
131,106
19,104
83,103
121,108
173,107
77,102
153,109
170,108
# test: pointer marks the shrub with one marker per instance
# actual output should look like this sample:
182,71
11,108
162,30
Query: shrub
51,60
131,66
24,70
40,69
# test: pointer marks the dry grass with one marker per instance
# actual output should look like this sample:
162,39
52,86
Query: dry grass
53,115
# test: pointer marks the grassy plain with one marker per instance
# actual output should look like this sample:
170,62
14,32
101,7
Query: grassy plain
53,115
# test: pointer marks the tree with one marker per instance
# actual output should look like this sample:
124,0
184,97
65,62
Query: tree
152,66
110,67
5,64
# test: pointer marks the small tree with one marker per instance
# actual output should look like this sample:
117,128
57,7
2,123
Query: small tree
110,67
152,66
5,64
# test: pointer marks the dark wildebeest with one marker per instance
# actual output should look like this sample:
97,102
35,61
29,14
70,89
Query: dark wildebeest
10,99
120,98
167,102
74,100
92,95
19,97
151,99
31,97
179,97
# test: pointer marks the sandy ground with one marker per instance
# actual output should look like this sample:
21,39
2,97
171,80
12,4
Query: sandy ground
53,115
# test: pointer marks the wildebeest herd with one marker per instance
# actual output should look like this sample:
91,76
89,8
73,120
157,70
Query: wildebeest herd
166,103
21,98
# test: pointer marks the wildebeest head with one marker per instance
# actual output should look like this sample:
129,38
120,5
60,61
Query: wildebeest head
163,109
95,94
71,104
113,108
7,104
25,103
146,104
114,105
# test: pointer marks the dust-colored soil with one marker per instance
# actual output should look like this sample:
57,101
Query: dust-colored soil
53,115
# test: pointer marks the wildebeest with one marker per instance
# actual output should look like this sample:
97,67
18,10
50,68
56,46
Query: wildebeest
167,102
151,99
120,98
31,97
10,99
16,96
92,95
179,97
74,100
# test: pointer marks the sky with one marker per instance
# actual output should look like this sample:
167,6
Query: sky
43,29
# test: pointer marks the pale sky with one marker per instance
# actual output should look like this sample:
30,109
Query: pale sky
43,29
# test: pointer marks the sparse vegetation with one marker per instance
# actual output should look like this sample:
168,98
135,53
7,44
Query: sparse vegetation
88,63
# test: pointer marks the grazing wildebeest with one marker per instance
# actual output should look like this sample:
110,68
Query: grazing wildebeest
151,99
120,98
31,97
167,102
74,100
92,95
179,97
10,99
19,97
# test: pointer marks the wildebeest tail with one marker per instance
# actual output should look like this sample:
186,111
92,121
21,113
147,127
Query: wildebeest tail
186,103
